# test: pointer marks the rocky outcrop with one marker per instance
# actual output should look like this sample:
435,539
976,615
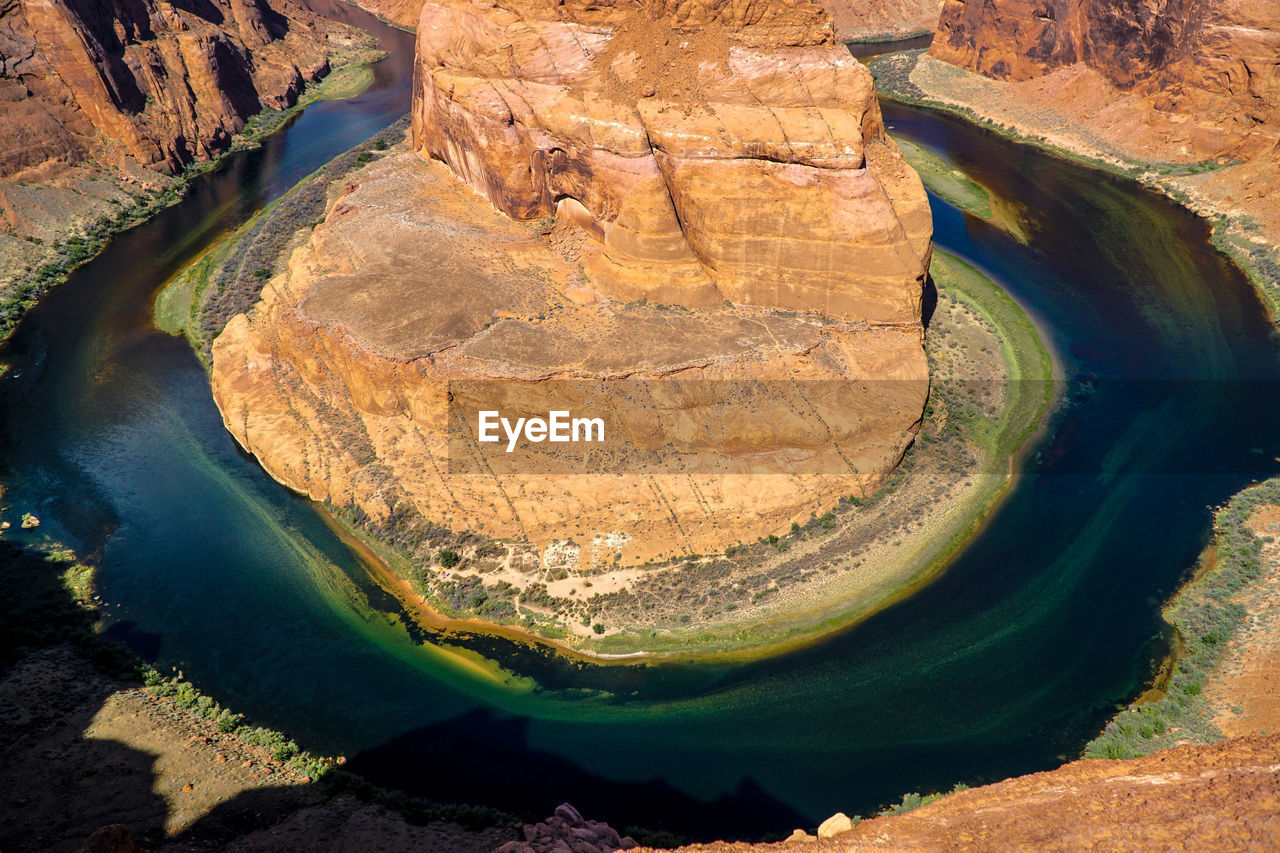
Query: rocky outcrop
712,151
882,20
567,830
853,20
693,226
160,83
1219,797
1214,64
402,13
358,376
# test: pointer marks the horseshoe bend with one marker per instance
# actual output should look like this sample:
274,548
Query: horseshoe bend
714,247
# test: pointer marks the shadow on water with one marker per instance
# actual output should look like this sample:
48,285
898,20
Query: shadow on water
479,757
482,757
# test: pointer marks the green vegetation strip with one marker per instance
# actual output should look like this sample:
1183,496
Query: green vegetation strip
1207,620
945,180
228,278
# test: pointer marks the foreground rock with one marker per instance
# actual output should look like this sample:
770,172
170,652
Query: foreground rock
1220,797
679,191
568,830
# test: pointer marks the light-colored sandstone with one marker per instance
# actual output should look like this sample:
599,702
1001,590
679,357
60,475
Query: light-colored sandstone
712,153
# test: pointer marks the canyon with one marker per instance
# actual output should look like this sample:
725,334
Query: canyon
1184,96
103,104
864,20
709,241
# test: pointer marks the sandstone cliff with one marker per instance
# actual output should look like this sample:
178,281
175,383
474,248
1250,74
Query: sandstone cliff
167,83
402,13
1184,95
882,20
101,105
1216,64
699,231
853,20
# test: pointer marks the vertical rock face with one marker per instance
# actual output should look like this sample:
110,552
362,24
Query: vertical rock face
878,20
692,167
713,150
1219,59
168,82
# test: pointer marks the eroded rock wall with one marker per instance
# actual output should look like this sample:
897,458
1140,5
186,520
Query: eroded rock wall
167,83
619,198
714,151
1219,60
881,20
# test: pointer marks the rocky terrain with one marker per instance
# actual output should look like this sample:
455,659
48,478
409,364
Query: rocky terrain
883,20
402,13
101,104
723,260
1220,797
165,83
864,20
1185,96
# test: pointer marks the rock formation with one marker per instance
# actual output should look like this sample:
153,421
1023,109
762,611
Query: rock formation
568,830
853,20
1219,797
166,83
881,20
402,13
702,172
708,240
1214,64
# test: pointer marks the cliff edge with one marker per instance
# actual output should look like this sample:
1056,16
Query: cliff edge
685,218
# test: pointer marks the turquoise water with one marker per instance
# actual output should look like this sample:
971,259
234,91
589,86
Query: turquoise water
1008,663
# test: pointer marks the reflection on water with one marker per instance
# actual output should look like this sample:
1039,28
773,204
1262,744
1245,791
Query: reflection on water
1012,659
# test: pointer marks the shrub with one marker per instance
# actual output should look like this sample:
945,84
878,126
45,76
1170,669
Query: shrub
449,558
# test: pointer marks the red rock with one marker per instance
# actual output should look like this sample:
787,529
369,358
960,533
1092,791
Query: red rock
168,84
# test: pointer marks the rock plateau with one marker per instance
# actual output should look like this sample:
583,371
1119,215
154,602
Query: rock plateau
685,217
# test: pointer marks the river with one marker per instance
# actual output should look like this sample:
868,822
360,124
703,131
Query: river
1008,663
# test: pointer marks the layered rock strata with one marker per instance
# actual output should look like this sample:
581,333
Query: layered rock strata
1184,94
340,382
1212,67
167,83
713,152
853,20
656,199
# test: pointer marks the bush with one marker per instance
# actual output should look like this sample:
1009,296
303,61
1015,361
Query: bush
449,558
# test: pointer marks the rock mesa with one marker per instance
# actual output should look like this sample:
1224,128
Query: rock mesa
605,198
164,83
